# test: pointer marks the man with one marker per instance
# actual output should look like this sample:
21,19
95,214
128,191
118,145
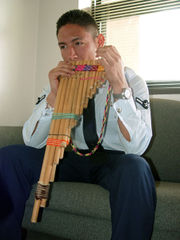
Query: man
120,170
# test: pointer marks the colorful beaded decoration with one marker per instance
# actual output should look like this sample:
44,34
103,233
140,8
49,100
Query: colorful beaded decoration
104,122
85,67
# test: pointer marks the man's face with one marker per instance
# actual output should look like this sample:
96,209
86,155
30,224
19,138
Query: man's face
76,43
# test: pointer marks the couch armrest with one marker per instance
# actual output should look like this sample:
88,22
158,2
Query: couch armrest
10,135
164,150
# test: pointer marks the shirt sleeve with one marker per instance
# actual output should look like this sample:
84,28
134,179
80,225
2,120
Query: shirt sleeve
42,116
135,116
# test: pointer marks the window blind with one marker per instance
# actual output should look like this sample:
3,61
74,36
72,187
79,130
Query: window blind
103,11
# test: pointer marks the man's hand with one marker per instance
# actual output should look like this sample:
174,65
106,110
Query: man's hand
111,60
64,69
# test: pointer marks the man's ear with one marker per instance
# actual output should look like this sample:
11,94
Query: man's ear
100,40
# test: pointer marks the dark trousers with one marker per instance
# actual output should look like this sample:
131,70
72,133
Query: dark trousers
127,177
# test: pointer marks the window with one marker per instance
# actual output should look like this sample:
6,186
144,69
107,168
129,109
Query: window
146,33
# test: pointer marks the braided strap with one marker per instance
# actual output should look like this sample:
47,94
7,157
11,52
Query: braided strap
104,122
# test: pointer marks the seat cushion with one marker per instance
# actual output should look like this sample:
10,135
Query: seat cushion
77,209
168,207
78,198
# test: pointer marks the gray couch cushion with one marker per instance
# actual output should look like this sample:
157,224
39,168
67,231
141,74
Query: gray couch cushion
168,206
76,211
78,198
10,135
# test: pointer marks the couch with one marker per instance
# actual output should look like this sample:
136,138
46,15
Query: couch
80,211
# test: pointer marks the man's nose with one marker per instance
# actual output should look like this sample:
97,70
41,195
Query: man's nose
72,53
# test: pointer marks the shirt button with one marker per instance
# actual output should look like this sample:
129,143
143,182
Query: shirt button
118,110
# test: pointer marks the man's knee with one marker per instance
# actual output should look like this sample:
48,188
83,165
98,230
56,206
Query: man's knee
133,174
136,163
21,159
131,166
11,154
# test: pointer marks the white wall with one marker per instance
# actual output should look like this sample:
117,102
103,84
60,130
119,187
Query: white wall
18,42
28,50
48,53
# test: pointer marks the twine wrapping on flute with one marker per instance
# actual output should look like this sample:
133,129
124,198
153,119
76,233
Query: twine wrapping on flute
42,191
65,116
56,142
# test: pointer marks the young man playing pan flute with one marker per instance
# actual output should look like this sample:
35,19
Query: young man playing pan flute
119,169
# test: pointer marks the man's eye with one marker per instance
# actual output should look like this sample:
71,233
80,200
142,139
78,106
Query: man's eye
78,43
62,47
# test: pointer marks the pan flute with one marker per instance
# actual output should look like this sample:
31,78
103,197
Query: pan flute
72,97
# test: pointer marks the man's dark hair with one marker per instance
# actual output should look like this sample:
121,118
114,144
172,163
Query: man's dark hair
78,17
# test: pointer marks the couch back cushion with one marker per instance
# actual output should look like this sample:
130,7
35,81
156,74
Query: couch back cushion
164,150
10,135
